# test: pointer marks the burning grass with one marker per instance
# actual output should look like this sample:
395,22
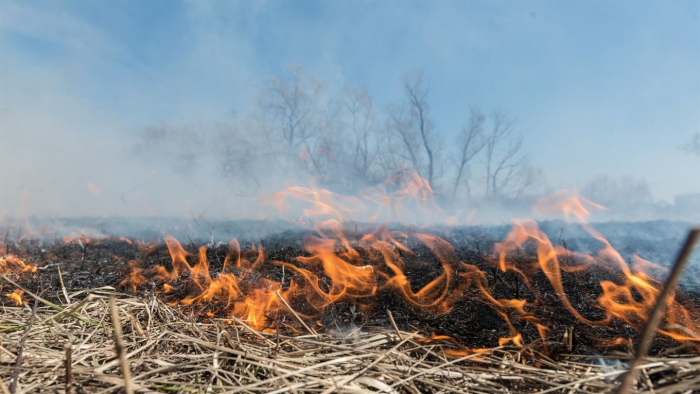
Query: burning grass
169,351
178,336
375,310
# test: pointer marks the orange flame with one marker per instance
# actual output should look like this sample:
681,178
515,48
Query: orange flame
11,263
135,278
336,267
402,193
16,296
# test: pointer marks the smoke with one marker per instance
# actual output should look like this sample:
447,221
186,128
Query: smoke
176,118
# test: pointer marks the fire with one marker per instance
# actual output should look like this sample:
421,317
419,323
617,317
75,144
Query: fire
568,202
548,259
630,301
135,277
79,239
16,296
11,263
179,256
516,340
339,265
402,194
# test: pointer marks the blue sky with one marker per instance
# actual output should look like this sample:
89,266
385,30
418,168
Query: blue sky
596,87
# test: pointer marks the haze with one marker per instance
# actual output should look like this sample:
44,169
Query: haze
604,94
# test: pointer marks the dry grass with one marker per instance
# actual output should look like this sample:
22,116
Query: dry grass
167,351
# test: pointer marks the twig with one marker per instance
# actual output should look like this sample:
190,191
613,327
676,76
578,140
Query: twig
119,347
51,304
247,327
439,367
63,287
312,332
372,364
18,364
69,368
4,388
393,323
645,339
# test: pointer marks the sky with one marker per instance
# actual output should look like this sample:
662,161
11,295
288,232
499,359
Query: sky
596,87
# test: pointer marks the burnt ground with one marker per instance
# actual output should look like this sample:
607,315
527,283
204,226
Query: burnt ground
473,323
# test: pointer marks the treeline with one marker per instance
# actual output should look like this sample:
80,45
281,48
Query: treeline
346,142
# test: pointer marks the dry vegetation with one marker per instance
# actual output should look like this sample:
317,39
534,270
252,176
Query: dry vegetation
71,348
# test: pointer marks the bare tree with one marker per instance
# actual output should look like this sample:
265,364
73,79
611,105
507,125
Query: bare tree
399,122
528,176
507,171
410,123
417,95
469,142
393,153
291,105
361,122
299,112
500,131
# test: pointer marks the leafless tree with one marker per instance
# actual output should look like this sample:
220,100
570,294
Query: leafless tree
399,122
469,142
290,106
417,95
298,112
341,140
507,170
392,153
236,155
416,133
361,122
528,177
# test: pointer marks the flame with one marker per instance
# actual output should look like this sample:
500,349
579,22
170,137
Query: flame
75,238
178,255
336,267
11,263
567,202
135,278
16,296
516,340
630,301
405,192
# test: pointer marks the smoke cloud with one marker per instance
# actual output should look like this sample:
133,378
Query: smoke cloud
178,115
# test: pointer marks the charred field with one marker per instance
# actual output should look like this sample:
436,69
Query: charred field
428,311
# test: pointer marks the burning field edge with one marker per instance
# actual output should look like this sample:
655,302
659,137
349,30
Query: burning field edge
341,310
71,348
